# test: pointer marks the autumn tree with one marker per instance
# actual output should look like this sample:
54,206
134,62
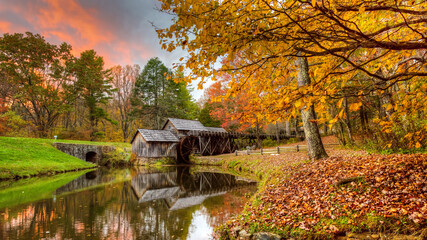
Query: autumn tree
123,79
93,84
34,76
376,44
237,111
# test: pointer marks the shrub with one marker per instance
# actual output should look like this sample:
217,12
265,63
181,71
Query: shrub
115,158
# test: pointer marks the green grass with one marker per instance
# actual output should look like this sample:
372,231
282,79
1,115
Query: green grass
25,157
114,144
29,190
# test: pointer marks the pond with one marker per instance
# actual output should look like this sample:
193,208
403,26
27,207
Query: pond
141,203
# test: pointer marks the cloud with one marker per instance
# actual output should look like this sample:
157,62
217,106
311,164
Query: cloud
5,26
120,31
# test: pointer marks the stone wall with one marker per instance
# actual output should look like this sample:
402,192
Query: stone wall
82,150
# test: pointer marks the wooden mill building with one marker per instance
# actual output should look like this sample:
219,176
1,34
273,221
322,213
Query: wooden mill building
151,145
180,137
177,139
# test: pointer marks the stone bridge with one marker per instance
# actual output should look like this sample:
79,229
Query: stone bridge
89,153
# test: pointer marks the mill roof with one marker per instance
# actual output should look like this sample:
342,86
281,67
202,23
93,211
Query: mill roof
156,135
216,129
184,124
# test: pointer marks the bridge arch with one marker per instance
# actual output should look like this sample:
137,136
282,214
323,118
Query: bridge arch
92,157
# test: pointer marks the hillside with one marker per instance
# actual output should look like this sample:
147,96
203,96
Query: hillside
25,157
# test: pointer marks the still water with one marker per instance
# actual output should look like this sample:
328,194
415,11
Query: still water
142,203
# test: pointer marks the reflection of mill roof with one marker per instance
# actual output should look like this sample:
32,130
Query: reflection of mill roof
184,124
151,195
192,201
190,190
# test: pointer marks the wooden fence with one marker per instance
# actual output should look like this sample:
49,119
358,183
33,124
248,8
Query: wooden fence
279,150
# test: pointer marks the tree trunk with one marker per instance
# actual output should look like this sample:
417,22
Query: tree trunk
347,122
277,133
258,139
340,134
288,127
311,130
362,119
296,127
325,128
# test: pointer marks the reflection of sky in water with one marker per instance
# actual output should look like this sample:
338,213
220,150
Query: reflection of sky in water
200,227
119,204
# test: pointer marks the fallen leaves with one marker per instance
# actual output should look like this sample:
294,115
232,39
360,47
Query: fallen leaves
393,186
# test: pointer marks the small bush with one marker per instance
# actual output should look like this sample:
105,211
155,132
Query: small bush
115,158
268,142
292,140
165,161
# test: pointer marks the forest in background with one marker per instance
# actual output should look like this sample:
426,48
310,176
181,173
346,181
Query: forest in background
46,91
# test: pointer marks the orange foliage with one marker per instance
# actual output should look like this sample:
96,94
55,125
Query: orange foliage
356,49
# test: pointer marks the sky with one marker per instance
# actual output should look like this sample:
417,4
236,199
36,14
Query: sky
119,30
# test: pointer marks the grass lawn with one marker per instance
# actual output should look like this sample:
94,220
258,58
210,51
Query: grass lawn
114,144
24,157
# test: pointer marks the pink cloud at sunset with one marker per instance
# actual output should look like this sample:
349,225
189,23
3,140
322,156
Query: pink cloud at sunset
117,30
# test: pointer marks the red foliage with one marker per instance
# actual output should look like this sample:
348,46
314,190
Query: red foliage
235,111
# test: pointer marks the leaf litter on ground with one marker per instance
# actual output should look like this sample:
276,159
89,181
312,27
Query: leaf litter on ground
349,184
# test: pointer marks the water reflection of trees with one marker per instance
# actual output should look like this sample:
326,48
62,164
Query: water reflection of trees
114,211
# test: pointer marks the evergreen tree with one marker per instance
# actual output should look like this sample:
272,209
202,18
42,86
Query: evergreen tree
93,85
158,95
206,119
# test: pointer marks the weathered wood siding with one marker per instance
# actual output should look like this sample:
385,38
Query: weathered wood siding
170,126
180,133
142,148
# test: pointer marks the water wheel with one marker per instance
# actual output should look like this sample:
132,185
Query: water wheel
187,146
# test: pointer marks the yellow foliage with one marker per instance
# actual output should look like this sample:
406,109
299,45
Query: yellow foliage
355,49
355,106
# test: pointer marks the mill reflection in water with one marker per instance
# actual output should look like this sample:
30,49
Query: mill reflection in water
144,203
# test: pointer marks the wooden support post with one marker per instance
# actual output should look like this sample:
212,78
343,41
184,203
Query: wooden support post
278,150
261,151
297,148
235,152
247,150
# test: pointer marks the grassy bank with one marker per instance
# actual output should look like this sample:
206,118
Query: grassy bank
118,145
25,157
347,194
